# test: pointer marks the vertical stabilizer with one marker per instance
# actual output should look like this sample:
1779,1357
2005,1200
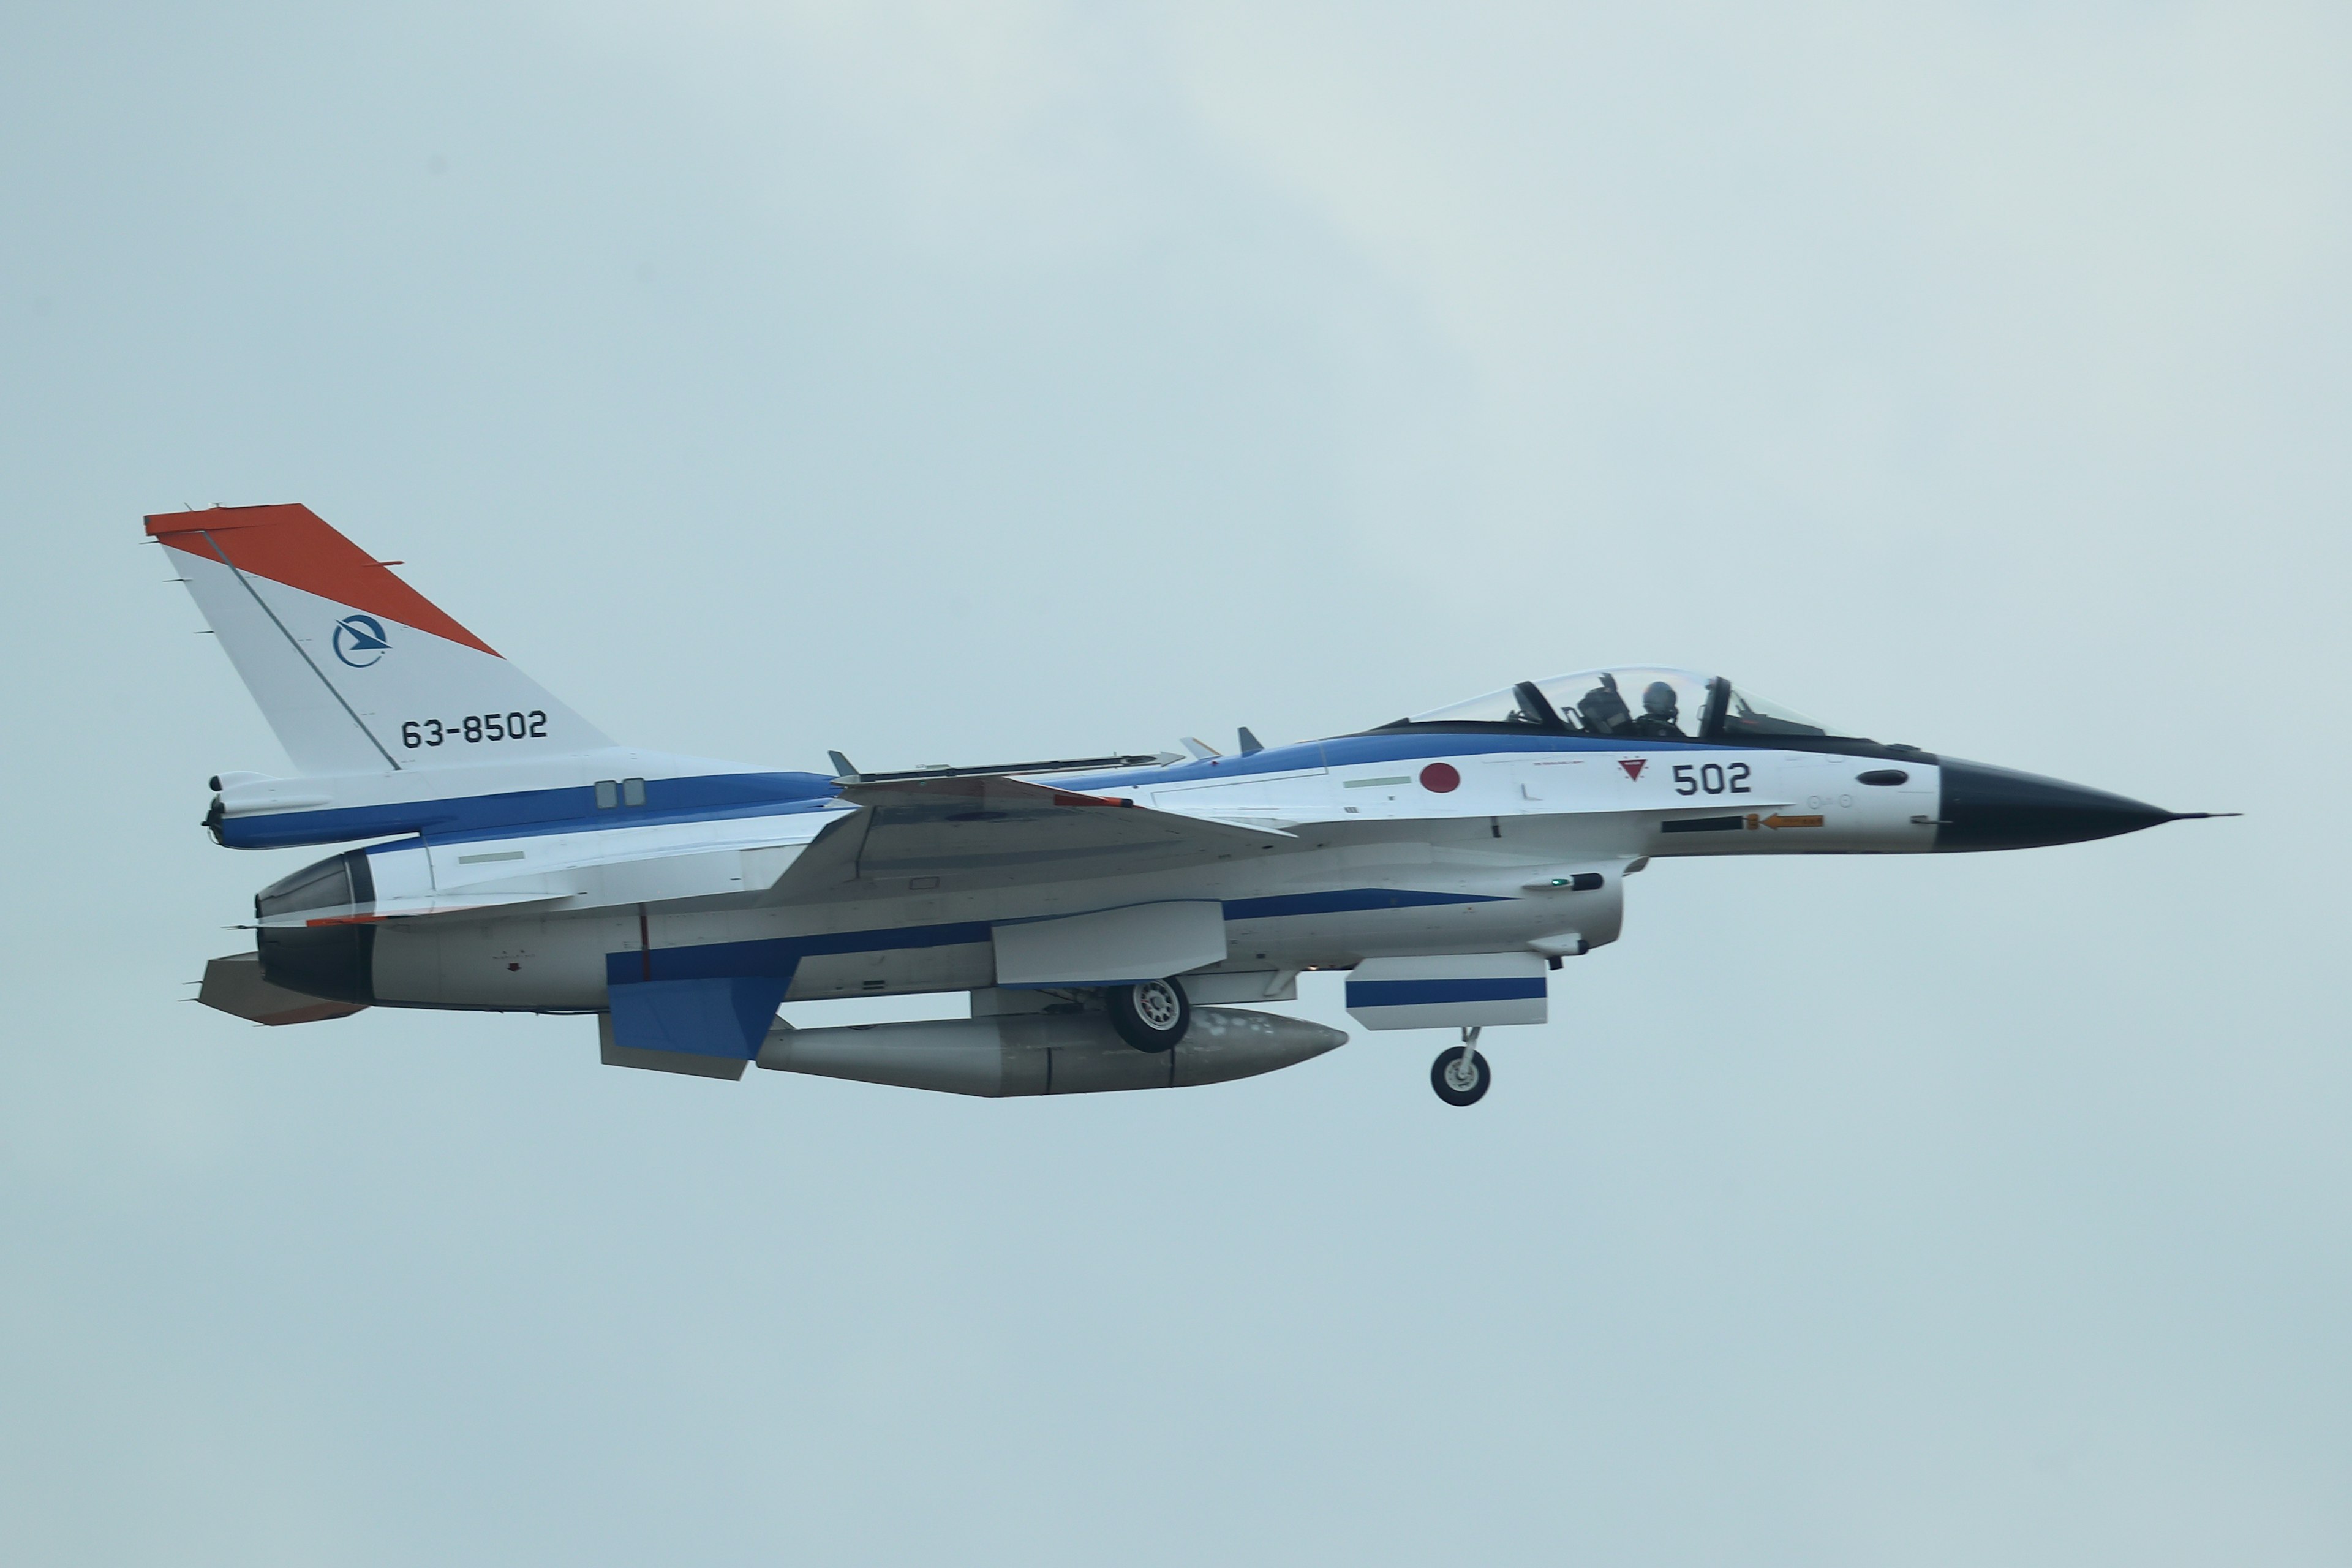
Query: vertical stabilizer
355,671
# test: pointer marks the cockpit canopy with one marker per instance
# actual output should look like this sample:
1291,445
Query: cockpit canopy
1638,703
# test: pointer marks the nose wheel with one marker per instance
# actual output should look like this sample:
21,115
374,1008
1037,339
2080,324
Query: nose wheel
1460,1075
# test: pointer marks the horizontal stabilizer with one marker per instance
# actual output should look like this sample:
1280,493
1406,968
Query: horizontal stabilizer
234,985
451,903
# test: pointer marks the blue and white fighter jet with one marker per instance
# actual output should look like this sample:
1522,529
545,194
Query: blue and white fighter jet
1117,922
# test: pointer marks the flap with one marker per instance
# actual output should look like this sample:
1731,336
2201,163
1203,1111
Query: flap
1112,947
997,831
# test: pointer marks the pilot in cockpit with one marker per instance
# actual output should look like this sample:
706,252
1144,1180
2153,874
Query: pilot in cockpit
1661,717
1603,710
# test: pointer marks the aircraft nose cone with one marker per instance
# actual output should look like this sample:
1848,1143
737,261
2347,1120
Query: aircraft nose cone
2000,808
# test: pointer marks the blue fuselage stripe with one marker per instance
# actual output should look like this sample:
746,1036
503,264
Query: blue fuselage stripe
519,814
1346,901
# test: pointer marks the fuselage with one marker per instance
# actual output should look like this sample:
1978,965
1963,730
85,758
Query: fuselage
1414,839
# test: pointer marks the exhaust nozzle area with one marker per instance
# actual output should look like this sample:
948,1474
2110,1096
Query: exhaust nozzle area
1045,1053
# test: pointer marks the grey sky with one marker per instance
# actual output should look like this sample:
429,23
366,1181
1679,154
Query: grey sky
954,382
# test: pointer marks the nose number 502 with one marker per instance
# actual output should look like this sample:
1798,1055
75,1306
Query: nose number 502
1711,778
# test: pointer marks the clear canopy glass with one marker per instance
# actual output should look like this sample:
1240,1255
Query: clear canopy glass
1508,706
1746,715
1637,702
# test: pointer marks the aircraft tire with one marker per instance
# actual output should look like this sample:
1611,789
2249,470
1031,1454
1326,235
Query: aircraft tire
1448,1082
1153,1016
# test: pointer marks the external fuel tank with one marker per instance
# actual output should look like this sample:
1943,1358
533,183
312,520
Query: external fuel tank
1046,1053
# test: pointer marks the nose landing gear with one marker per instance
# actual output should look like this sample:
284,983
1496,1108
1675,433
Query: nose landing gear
1461,1076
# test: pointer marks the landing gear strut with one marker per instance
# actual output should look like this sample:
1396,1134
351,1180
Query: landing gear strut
1461,1076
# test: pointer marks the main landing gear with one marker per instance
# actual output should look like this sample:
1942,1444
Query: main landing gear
1460,1075
1152,1016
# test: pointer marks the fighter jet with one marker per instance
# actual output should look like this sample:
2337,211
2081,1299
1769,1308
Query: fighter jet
1114,922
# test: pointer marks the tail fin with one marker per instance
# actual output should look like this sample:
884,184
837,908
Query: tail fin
357,671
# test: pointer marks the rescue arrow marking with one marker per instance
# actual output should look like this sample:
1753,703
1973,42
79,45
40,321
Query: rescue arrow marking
1776,821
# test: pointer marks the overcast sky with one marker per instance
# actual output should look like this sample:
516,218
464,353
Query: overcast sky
956,384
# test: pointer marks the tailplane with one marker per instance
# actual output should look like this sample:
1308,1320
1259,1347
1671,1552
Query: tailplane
355,671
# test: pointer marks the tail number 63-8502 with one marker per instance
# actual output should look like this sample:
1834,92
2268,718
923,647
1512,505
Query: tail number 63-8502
1711,778
474,728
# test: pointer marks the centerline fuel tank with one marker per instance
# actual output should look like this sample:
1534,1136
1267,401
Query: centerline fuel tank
1046,1053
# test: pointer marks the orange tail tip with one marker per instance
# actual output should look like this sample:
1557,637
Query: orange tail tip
294,545
359,674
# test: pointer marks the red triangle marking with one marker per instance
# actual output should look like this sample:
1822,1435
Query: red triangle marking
1633,765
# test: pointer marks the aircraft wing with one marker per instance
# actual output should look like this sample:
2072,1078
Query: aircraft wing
997,831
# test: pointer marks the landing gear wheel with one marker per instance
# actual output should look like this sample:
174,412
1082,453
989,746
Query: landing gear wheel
1457,1082
1152,1016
